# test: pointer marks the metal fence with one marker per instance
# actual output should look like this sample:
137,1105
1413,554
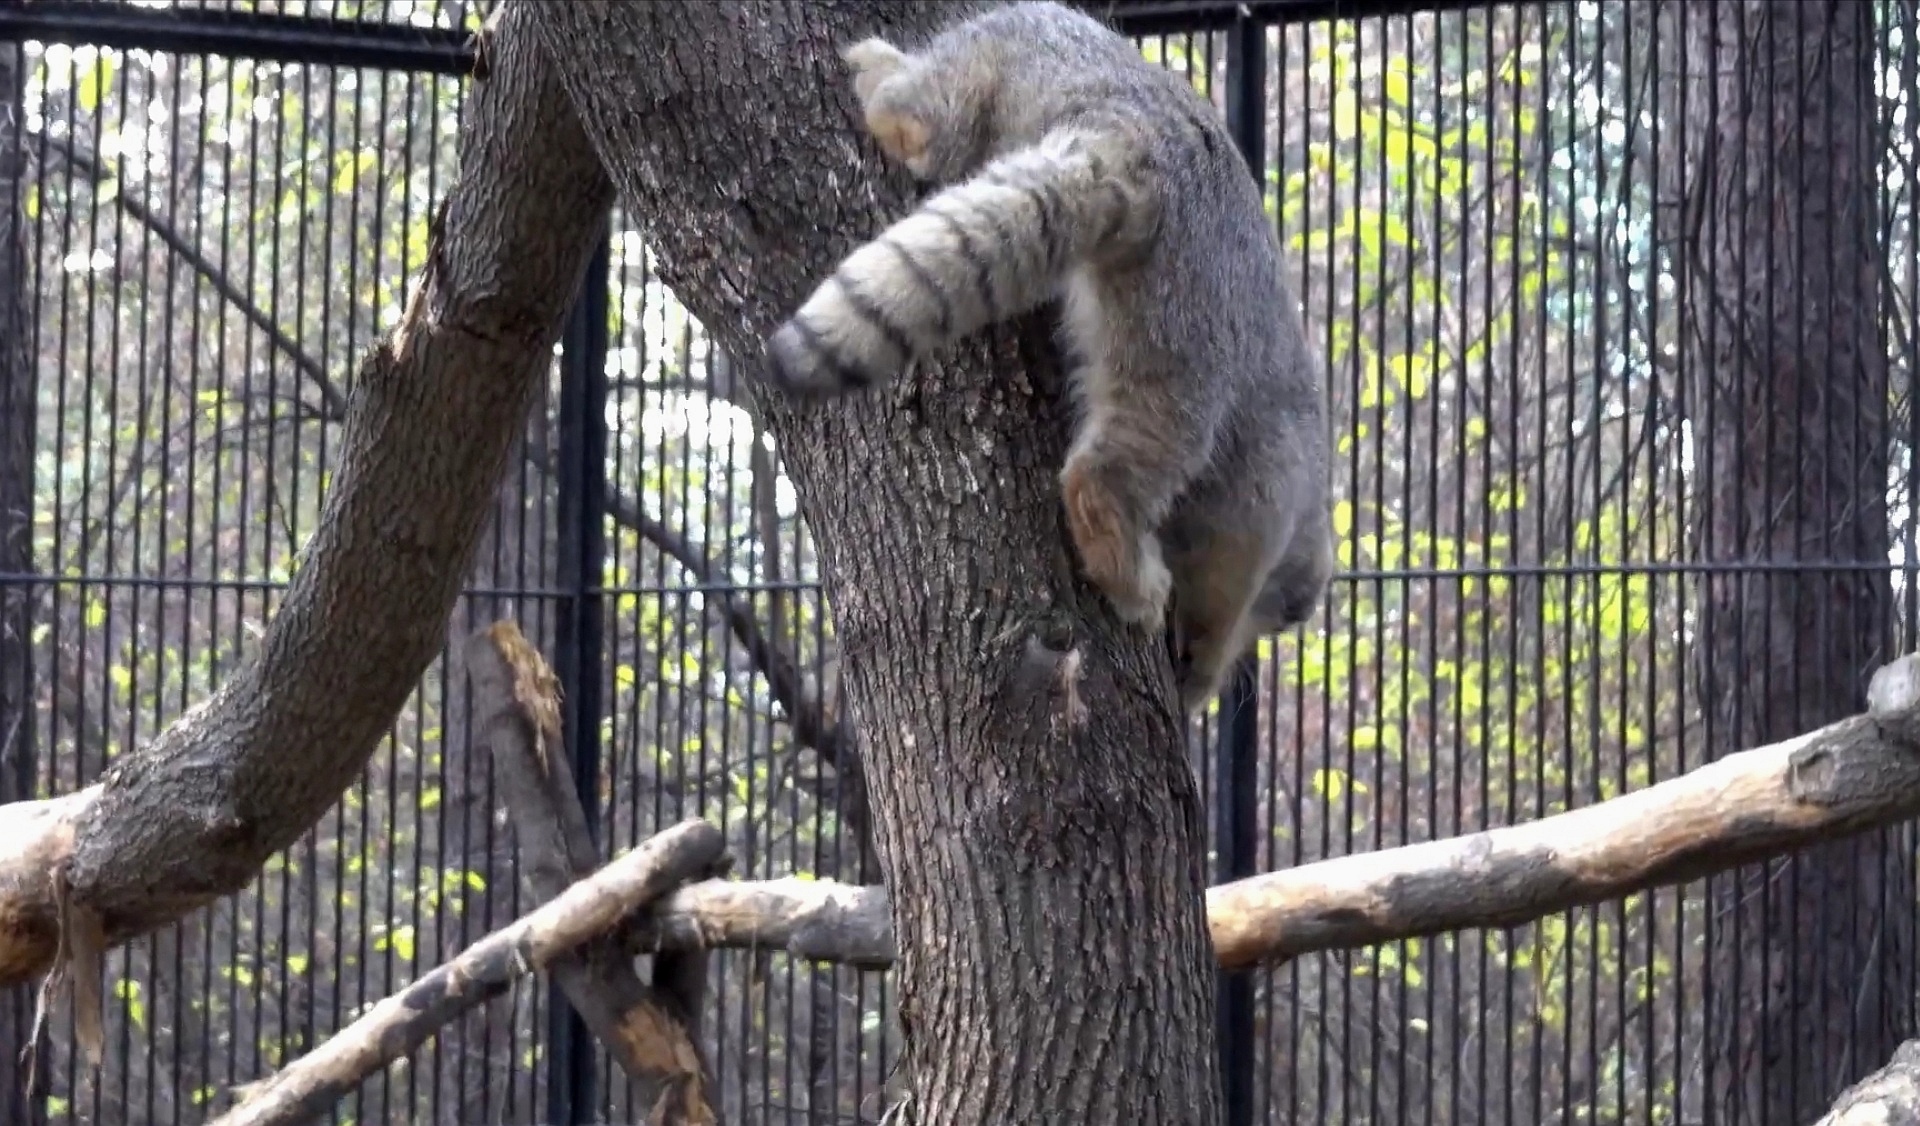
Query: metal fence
1615,301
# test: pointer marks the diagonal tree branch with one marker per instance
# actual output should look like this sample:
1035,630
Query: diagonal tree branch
429,426
333,398
804,710
644,1028
306,1088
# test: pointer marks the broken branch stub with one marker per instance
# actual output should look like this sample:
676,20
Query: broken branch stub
587,910
517,698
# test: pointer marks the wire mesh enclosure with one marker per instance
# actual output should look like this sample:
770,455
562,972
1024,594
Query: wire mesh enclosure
1615,301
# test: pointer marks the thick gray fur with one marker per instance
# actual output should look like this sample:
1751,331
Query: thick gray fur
1072,169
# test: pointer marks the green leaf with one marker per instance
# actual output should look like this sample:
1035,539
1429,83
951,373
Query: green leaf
1394,84
95,83
1329,782
1346,114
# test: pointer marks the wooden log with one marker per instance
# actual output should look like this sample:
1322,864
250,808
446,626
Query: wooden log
519,715
1848,777
308,1087
814,920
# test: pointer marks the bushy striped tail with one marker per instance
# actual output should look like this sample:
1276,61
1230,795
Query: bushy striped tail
982,251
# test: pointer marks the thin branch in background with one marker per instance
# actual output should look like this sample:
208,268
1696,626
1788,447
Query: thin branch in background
803,709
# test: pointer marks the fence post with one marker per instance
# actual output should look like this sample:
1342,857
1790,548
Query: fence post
1236,749
578,648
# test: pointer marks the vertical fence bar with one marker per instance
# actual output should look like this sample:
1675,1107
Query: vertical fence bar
582,446
1236,762
19,422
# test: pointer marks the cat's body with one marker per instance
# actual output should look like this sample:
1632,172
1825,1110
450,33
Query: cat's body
1075,170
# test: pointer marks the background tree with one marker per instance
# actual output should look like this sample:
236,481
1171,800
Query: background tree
1777,151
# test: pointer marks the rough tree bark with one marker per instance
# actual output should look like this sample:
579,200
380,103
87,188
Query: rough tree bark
1046,878
433,414
19,415
1775,153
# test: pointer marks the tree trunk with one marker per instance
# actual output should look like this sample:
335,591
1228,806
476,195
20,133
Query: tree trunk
1046,874
19,413
1780,264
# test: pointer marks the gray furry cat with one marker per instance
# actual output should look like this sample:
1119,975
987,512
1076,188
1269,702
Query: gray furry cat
1075,170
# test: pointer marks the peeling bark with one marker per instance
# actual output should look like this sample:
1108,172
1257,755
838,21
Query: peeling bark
308,1087
1012,842
1776,154
518,710
192,816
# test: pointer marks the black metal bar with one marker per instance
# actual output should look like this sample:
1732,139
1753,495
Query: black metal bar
578,644
1166,17
273,37
241,34
1236,750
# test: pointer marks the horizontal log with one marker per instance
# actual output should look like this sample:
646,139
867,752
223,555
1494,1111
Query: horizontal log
1848,777
816,920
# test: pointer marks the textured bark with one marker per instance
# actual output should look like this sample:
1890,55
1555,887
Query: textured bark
433,414
593,907
1777,159
518,711
1888,1096
1848,777
1047,879
19,415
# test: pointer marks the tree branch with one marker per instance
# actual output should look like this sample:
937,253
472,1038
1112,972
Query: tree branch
805,714
1858,774
517,697
192,816
87,164
308,1087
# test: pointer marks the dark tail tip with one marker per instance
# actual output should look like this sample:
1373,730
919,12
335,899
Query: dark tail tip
789,360
800,366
